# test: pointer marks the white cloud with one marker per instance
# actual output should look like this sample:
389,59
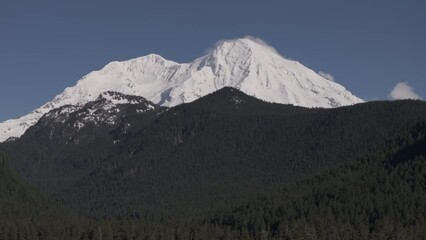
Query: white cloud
403,91
326,76
262,43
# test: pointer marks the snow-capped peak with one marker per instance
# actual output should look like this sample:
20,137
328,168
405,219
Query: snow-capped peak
247,64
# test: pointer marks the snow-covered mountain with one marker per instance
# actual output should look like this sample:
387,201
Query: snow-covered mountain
246,64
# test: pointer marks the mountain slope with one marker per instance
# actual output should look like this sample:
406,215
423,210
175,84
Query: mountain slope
380,196
70,141
198,156
246,64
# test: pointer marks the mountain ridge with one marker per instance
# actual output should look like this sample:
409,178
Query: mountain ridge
246,64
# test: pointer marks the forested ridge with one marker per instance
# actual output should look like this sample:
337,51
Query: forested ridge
227,166
377,197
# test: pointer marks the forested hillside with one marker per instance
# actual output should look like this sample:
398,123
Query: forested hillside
380,196
194,158
214,153
26,214
227,166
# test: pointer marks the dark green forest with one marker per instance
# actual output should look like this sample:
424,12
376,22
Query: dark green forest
219,168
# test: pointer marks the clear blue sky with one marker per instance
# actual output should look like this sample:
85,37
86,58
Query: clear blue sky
368,46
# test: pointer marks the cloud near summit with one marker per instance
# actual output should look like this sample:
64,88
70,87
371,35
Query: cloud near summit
254,39
327,76
403,91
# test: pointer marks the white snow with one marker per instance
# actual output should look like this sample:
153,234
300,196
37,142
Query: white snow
245,64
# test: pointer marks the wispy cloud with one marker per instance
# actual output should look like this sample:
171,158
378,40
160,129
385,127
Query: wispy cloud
254,39
326,76
403,91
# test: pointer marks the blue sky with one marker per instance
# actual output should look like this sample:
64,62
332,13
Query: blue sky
367,46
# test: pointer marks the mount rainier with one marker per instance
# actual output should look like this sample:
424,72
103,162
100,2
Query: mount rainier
246,64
